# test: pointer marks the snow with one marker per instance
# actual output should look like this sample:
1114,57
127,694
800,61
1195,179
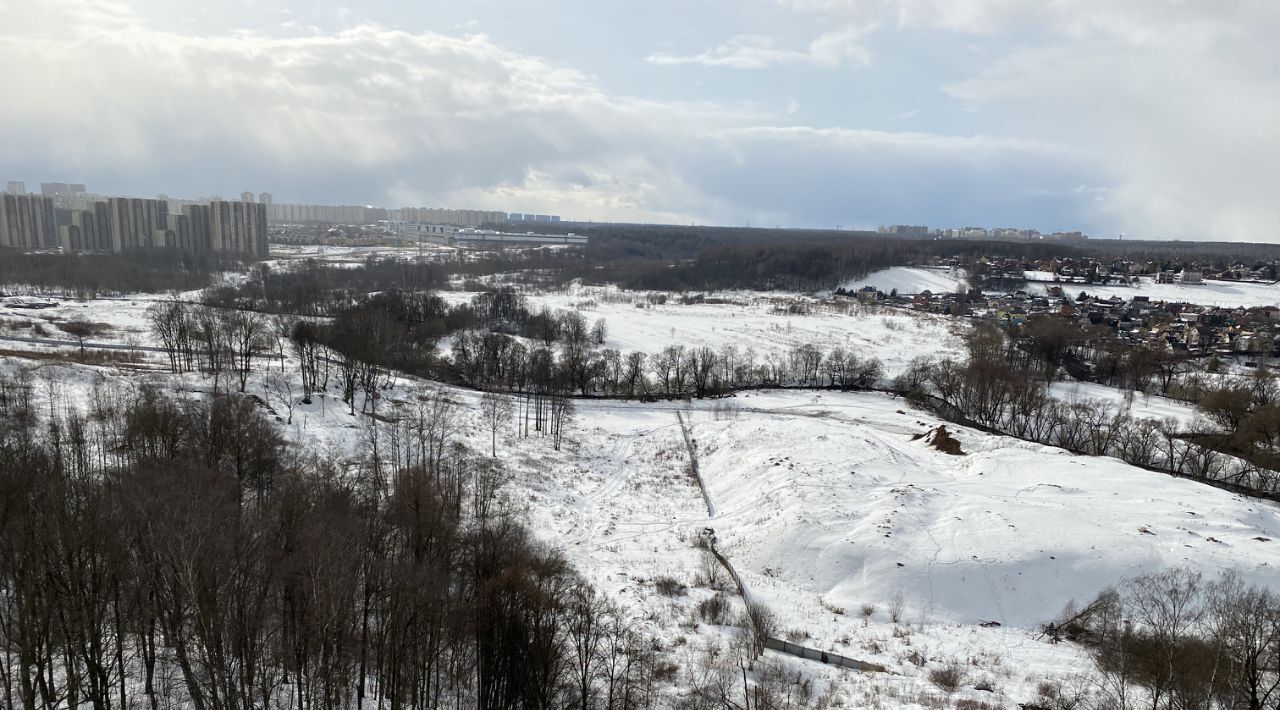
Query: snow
1143,406
820,497
762,323
829,495
824,502
1227,294
912,280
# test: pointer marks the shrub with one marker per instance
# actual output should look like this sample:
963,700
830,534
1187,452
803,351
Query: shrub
948,678
896,606
669,587
715,609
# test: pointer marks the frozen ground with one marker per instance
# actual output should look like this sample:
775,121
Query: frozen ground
1210,293
911,280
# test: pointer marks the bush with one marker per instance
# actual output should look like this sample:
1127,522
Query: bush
669,587
896,606
715,609
948,678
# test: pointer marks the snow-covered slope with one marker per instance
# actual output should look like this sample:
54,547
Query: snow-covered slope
910,280
829,495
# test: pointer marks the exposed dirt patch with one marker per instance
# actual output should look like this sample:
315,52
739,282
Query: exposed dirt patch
941,439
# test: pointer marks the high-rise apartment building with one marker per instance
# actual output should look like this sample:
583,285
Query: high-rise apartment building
246,196
137,223
86,230
27,221
73,219
198,222
15,187
238,227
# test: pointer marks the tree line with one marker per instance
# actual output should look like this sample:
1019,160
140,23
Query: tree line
1174,640
97,275
1001,386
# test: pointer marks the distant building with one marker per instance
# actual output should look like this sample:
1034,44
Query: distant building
904,230
137,223
1190,277
15,187
452,217
27,221
526,217
50,189
198,223
238,227
265,198
247,197
86,230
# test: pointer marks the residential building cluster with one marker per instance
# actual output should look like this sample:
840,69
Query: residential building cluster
544,218
916,230
282,213
1176,327
904,230
285,213
69,218
446,216
1000,271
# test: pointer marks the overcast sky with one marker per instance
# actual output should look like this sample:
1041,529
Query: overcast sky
1155,118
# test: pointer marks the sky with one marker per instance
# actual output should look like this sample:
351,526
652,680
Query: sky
1148,118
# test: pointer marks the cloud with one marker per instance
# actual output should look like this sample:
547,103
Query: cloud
831,49
446,114
1176,102
375,115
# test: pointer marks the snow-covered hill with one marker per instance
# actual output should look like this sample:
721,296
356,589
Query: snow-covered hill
911,280
828,494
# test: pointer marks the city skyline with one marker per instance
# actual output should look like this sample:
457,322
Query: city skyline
1148,118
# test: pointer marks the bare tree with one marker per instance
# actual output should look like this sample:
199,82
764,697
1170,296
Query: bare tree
561,416
280,391
496,410
79,328
246,334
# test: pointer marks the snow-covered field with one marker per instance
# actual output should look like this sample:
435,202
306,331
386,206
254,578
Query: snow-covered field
1210,293
761,322
125,319
1142,406
911,280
